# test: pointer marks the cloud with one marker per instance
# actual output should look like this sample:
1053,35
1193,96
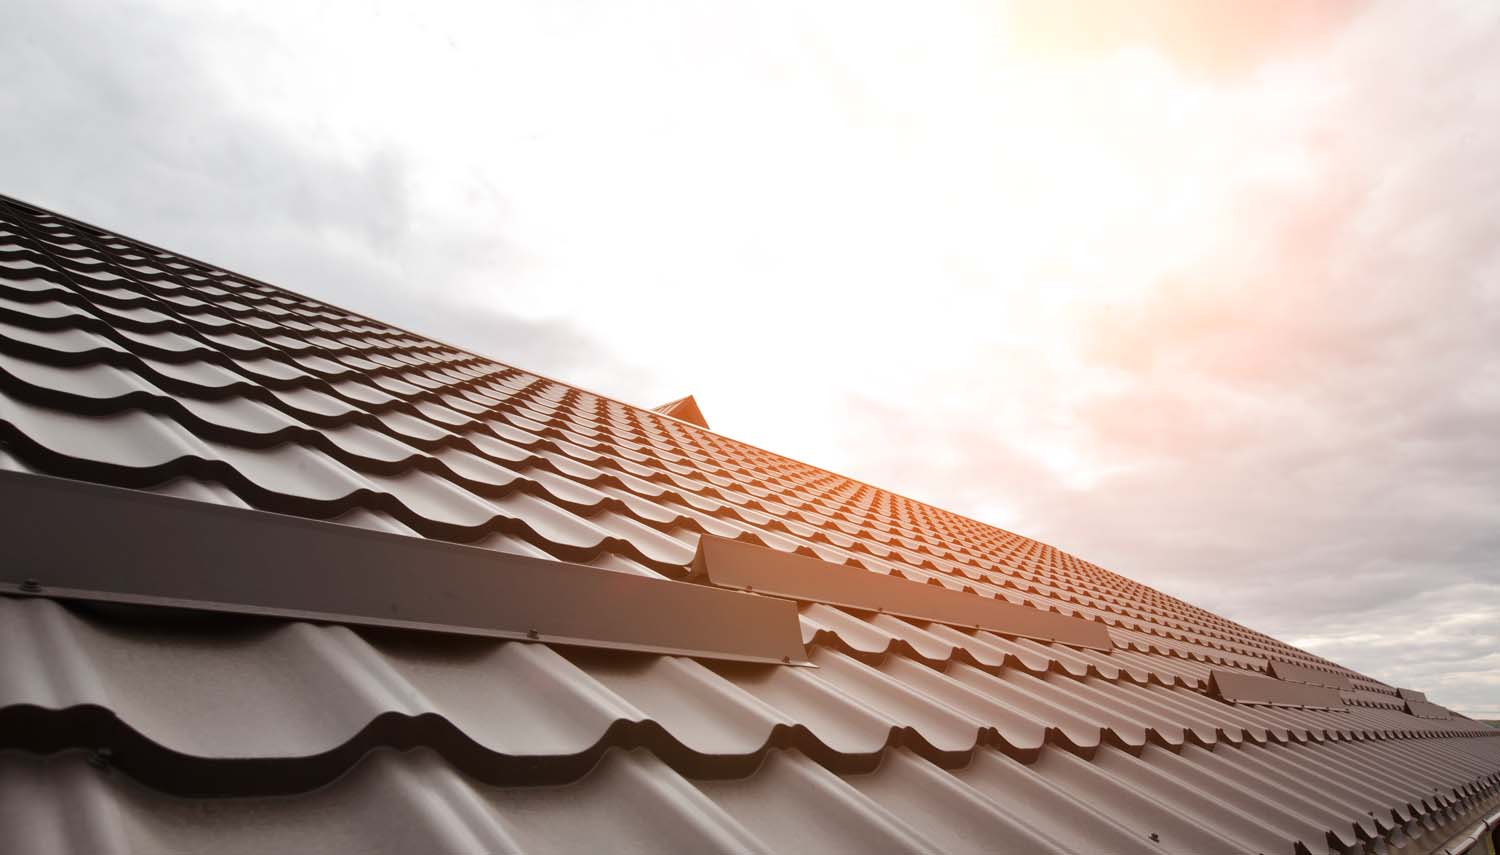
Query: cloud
1224,38
1296,429
115,115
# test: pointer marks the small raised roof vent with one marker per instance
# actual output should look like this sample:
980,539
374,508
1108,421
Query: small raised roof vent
1303,674
1243,687
1418,705
1427,709
685,409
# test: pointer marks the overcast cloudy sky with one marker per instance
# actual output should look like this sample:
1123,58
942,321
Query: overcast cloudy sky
1208,293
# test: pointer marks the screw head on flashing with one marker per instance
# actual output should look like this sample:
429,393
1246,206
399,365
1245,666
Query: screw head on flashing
31,586
533,634
1155,838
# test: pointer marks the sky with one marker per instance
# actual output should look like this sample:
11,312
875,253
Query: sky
1206,293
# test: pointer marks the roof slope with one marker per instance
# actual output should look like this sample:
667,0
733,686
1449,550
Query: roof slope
125,365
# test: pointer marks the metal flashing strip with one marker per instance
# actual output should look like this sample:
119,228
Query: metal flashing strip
82,541
1302,674
1245,688
1463,842
1411,695
742,566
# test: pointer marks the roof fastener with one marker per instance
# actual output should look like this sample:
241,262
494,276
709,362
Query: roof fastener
101,758
533,634
1155,838
31,586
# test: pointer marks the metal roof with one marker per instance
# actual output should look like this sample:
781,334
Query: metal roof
121,729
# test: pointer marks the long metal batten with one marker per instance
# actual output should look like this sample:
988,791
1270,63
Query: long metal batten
743,566
82,541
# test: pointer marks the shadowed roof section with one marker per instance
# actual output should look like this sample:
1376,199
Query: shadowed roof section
685,409
428,601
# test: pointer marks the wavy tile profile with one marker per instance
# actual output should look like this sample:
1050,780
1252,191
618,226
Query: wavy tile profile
149,731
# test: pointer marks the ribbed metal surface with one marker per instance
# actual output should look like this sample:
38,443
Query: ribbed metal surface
124,365
1227,801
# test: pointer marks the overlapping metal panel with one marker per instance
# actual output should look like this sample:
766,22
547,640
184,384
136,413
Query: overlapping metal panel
147,549
125,365
1303,674
1426,709
1245,688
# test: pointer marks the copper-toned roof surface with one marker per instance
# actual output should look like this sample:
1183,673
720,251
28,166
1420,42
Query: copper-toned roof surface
124,365
685,409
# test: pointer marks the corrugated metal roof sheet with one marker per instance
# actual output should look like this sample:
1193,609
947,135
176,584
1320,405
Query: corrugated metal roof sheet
123,364
632,801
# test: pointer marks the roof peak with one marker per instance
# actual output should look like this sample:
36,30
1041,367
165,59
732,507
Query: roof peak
685,408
